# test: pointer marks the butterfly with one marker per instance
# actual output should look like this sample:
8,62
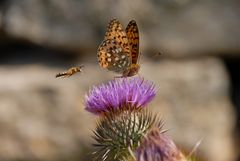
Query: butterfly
119,51
70,72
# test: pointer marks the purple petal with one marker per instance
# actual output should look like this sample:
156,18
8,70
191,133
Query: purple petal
118,93
156,146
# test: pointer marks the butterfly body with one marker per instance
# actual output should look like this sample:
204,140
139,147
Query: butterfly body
70,72
120,49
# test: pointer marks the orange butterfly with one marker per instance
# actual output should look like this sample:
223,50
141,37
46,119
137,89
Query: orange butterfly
119,51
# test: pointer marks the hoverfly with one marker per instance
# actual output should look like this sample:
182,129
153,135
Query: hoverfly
70,72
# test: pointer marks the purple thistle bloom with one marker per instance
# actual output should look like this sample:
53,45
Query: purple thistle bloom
158,147
120,93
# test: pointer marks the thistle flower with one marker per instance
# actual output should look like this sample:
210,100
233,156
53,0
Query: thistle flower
124,121
156,146
119,133
134,93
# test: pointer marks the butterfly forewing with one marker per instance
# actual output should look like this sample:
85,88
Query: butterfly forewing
111,55
116,31
133,40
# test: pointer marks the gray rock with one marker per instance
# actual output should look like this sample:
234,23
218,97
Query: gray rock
43,118
193,99
178,28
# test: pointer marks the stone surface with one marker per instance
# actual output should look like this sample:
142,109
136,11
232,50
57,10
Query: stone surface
43,118
193,99
177,28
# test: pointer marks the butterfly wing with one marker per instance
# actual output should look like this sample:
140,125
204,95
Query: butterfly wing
114,52
133,40
111,55
116,32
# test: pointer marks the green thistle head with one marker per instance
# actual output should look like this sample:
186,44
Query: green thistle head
120,132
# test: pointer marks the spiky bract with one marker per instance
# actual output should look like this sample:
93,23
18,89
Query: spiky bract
119,133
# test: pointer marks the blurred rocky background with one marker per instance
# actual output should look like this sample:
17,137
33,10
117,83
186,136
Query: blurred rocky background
43,118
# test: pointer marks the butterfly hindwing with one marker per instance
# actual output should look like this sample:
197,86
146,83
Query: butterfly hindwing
111,55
